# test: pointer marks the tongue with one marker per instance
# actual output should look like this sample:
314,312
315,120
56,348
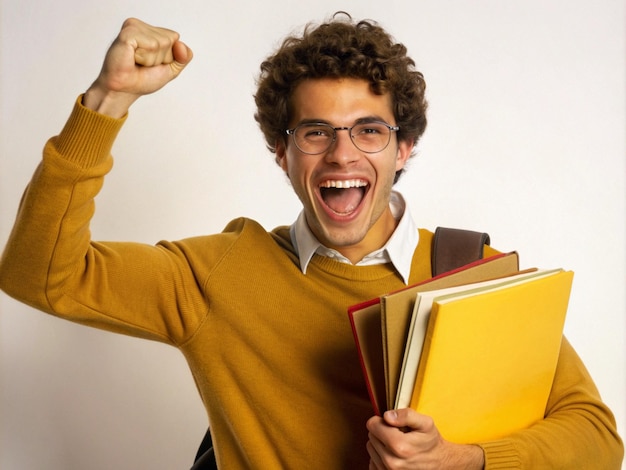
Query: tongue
342,201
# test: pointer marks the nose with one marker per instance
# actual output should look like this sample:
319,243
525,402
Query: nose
342,151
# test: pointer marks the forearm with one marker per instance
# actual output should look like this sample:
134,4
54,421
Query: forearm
72,168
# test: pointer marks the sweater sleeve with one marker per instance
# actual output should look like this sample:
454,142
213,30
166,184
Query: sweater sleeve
51,263
578,431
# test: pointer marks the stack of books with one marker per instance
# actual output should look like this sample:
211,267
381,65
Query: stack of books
475,348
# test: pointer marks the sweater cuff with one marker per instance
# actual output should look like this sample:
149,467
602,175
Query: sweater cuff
501,454
88,136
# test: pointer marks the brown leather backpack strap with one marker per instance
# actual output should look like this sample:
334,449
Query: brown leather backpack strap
453,248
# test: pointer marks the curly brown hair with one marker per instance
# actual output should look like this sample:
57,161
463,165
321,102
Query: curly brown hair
341,48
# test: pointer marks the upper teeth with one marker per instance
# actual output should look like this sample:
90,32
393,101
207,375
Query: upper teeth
343,184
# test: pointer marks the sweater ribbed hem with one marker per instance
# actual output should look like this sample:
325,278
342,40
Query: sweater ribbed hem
501,454
88,136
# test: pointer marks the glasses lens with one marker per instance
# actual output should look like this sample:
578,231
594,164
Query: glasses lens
314,138
371,137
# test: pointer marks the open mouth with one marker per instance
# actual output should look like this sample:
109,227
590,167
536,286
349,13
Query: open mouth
343,197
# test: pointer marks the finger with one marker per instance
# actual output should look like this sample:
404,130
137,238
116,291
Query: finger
408,418
182,53
160,48
177,57
154,51
152,45
382,432
182,56
376,461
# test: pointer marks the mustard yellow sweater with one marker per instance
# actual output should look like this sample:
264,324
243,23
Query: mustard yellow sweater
271,349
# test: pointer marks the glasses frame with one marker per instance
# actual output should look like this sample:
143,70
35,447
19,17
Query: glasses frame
292,132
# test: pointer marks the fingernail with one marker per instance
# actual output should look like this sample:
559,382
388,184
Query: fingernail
391,415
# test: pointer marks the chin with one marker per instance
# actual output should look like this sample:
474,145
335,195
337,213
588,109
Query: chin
339,238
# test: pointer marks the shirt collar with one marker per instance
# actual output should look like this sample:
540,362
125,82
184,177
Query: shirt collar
398,250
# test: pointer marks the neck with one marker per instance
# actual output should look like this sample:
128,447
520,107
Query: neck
376,238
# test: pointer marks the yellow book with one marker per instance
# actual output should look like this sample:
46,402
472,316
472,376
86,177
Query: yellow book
419,320
380,324
489,357
397,307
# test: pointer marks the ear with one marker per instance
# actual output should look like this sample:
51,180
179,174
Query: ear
405,148
281,154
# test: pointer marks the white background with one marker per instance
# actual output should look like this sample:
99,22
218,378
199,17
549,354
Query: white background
526,140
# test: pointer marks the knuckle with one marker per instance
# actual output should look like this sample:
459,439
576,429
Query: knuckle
130,22
401,450
429,422
391,463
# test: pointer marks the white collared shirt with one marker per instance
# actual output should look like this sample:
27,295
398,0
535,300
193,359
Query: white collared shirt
398,250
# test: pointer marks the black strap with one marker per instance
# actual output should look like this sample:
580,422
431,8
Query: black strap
451,249
205,457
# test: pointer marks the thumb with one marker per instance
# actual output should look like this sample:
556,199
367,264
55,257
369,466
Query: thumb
182,55
408,419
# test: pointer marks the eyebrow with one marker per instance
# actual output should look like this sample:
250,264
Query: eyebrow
361,120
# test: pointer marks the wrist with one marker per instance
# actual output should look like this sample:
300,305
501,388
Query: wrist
109,103
474,457
466,457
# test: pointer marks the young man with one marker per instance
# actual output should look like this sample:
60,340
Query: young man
261,316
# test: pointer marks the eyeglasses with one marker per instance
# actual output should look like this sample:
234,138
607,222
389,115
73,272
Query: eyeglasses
315,138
